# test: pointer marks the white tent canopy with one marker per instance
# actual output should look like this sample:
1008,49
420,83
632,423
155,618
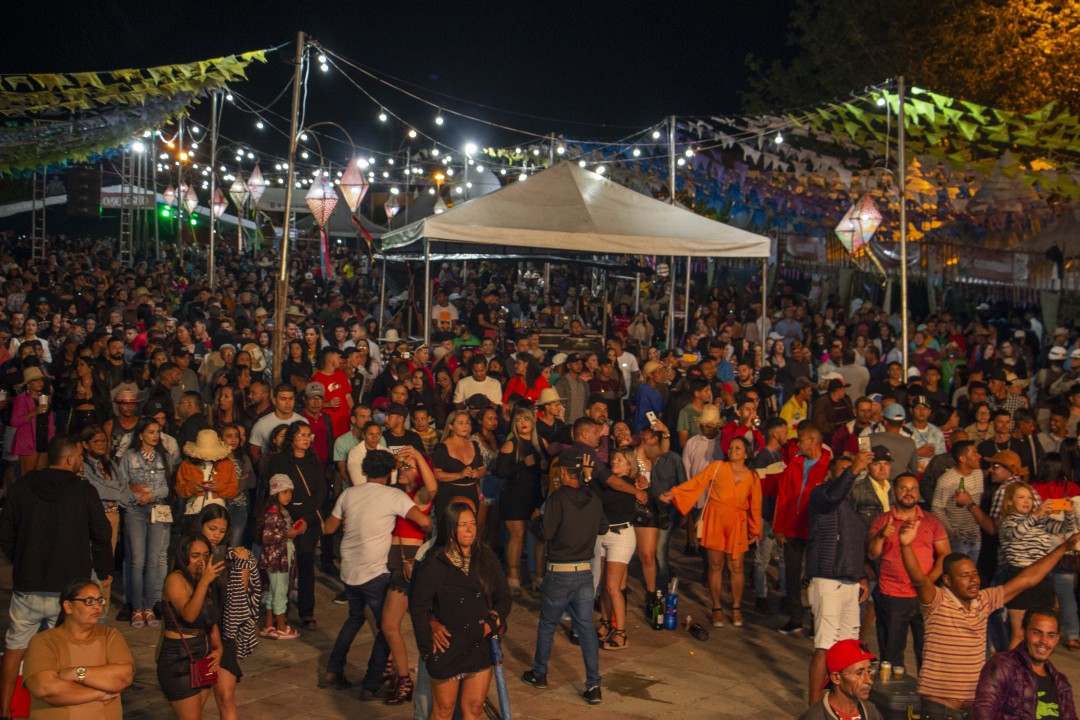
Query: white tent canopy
569,208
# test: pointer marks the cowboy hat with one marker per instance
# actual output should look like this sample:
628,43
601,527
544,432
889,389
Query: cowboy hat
294,310
710,415
207,446
258,359
391,336
548,395
31,373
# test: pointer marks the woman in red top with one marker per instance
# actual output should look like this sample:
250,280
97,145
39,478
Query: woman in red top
527,380
415,478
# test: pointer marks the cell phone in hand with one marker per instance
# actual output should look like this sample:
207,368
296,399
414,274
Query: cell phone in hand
298,524
219,554
651,416
864,444
1060,504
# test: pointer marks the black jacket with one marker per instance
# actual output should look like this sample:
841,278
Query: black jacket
573,517
458,601
309,489
54,530
836,547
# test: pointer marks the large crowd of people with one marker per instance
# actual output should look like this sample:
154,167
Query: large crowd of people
155,473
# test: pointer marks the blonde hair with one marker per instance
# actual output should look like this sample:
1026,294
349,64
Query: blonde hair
631,458
450,419
1008,507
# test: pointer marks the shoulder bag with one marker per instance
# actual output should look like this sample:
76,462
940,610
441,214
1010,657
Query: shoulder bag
201,674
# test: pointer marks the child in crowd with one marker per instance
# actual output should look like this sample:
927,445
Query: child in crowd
276,531
421,425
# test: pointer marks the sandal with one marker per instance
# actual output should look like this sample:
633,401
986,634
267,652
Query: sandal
717,617
289,633
269,632
138,619
736,617
604,631
151,619
611,644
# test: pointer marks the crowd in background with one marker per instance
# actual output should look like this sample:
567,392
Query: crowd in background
762,436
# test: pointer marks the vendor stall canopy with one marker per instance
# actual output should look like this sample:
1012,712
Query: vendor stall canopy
569,208
61,118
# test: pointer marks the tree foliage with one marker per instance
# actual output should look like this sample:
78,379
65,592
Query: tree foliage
1012,54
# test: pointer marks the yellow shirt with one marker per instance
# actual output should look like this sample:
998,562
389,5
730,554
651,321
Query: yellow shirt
794,413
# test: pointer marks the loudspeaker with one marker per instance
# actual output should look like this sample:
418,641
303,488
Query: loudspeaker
84,192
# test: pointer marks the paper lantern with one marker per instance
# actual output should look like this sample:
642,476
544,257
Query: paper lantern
191,200
322,200
353,185
220,203
867,216
440,206
256,185
392,208
845,230
170,196
239,192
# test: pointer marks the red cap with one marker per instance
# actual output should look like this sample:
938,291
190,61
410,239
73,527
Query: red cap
844,654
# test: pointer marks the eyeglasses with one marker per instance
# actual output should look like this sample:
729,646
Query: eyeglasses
90,601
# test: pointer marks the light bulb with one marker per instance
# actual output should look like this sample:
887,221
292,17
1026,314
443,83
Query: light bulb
536,151
412,133
196,129
431,191
324,67
503,171
251,156
260,125
434,152
390,161
438,118
637,152
194,146
138,146
470,148
779,138
385,174
303,137
881,101
689,153
581,163
682,161
450,171
523,177
560,150
468,185
517,151
655,134
229,97
322,58
371,161
394,191
304,154
382,115
600,170
479,168
458,190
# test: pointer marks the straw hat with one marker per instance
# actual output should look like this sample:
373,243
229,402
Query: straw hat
261,312
258,359
391,336
295,311
207,446
548,395
710,415
31,373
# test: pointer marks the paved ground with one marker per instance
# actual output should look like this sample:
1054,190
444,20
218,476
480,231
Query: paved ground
751,672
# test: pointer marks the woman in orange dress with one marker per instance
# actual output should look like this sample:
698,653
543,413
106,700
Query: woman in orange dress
730,522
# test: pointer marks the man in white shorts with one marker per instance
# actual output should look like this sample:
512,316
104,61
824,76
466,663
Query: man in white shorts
835,562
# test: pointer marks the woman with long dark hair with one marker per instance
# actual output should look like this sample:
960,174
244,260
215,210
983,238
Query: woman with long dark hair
296,367
87,396
458,598
192,626
304,468
147,470
527,380
238,591
521,461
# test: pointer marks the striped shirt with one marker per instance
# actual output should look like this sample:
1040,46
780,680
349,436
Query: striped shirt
955,649
958,521
1026,538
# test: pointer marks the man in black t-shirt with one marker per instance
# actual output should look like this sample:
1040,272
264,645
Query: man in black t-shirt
481,321
395,435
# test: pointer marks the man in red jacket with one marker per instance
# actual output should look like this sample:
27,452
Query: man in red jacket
807,469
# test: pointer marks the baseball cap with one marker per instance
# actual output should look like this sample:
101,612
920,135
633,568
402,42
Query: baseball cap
836,384
559,359
894,412
1058,353
397,409
573,357
314,389
571,459
920,400
1019,334
881,454
998,375
844,654
913,372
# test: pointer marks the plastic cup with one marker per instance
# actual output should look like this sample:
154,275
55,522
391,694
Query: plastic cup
898,672
886,671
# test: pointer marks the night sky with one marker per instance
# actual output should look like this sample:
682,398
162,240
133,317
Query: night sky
597,70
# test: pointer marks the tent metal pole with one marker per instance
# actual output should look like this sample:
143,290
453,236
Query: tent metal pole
764,296
382,296
686,325
671,274
637,294
547,283
153,190
902,165
213,186
603,306
427,291
281,291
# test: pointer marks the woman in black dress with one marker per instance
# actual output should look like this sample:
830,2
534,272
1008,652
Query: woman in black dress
521,461
458,598
459,464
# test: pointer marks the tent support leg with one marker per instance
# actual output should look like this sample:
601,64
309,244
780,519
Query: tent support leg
764,296
637,294
603,307
671,305
686,325
382,297
427,292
